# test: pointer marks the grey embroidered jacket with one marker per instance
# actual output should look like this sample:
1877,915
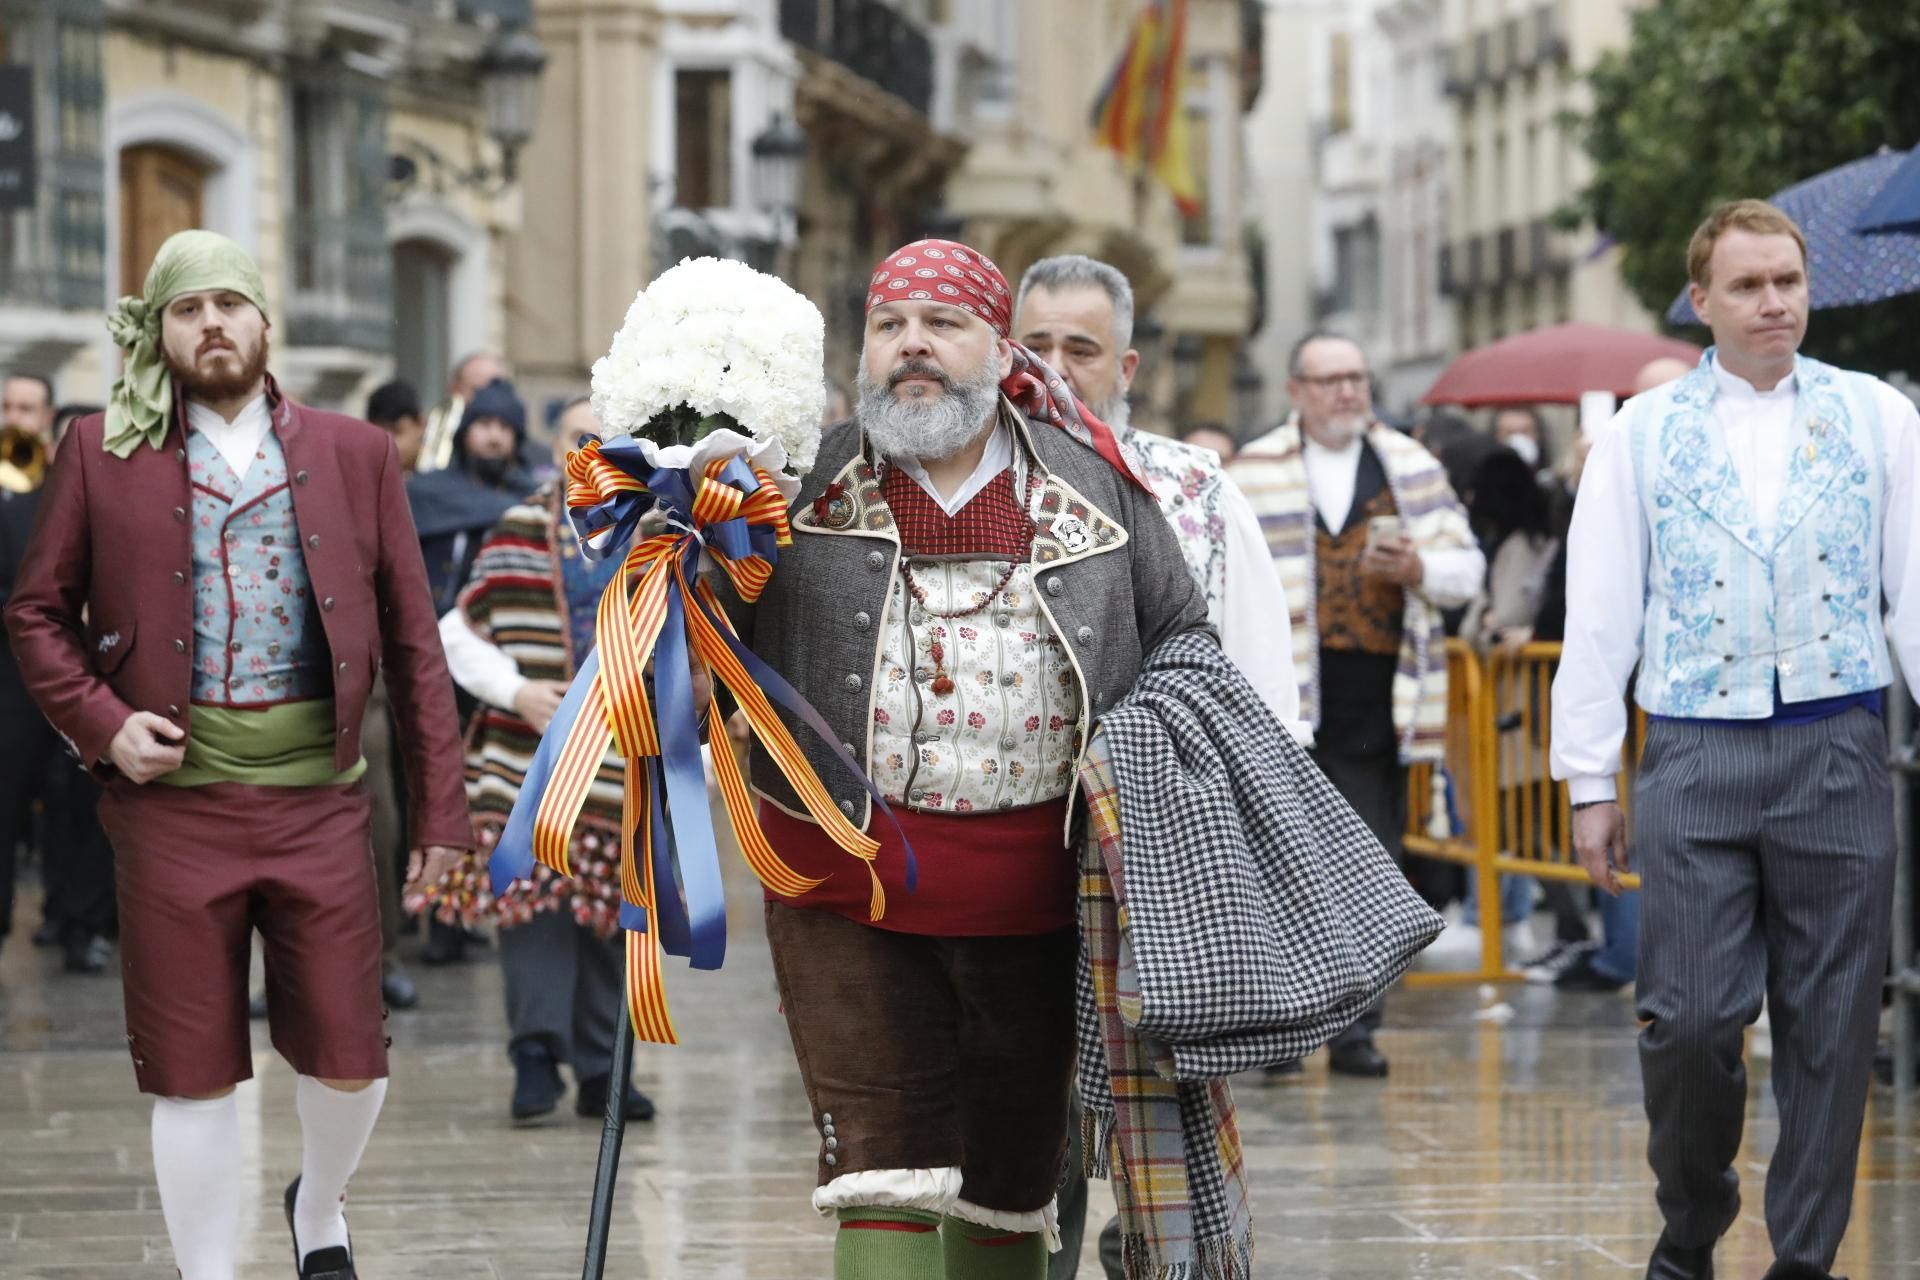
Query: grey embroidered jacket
1111,578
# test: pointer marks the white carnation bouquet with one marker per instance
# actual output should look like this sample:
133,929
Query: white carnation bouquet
713,348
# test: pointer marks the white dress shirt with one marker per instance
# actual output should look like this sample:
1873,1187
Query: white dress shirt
1451,575
1607,555
482,668
238,441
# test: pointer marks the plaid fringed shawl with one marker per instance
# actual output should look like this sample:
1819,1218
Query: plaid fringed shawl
1234,913
1181,1185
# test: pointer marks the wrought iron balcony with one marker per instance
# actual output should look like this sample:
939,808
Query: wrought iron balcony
342,280
868,38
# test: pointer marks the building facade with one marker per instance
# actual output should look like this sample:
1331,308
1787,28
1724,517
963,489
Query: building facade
279,123
810,137
1034,182
1515,69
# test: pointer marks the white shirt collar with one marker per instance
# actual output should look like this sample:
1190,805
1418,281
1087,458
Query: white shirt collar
1735,387
997,458
1349,452
238,441
255,416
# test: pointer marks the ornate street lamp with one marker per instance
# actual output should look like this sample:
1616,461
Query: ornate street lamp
510,70
510,84
778,153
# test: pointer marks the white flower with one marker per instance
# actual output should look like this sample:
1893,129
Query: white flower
721,338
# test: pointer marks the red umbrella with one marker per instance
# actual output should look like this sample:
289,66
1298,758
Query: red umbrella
1554,366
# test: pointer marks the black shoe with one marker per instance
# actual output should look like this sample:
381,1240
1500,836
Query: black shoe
446,944
1582,976
257,1006
1282,1070
1359,1058
591,1100
331,1263
47,935
87,953
1798,1271
537,1086
398,991
1676,1262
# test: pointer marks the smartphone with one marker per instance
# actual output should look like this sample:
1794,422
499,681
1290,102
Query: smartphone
1384,527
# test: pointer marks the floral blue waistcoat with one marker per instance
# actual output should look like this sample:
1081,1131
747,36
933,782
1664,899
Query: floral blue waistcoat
257,640
1728,612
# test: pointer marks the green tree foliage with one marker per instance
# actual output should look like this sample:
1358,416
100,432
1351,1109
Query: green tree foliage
1718,99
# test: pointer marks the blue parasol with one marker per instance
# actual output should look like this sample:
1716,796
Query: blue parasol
1897,206
1846,269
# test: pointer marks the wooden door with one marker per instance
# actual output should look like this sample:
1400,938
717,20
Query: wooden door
160,193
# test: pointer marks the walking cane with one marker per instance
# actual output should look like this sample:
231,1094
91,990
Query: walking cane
613,1131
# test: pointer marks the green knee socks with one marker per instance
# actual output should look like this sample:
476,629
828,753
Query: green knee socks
907,1244
887,1244
975,1252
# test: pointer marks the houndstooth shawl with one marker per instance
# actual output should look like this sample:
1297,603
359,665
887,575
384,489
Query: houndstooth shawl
1261,915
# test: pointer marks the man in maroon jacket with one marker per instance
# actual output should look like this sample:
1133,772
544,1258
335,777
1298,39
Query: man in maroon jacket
216,576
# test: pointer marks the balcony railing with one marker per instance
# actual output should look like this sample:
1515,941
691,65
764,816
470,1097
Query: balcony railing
869,39
1550,33
342,277
1546,252
508,13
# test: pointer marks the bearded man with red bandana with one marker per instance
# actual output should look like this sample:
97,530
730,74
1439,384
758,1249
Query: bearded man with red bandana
975,577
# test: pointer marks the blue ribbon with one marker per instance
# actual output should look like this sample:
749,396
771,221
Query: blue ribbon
693,925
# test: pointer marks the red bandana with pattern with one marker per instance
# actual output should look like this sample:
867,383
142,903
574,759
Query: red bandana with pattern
949,272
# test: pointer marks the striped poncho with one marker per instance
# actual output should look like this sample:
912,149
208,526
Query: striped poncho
516,601
1272,473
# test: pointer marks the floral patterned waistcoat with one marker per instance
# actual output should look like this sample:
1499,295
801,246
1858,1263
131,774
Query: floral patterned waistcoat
256,638
1730,608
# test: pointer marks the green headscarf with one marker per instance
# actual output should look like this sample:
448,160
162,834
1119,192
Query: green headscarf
188,262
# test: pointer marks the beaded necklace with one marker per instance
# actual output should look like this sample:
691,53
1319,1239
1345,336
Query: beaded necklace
942,682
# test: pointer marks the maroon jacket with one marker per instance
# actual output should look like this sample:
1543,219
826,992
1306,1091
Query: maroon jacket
112,552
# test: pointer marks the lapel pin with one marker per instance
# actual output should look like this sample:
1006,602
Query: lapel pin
1072,534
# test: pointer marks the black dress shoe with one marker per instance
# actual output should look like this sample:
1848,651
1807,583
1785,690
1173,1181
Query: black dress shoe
537,1086
331,1263
1677,1262
1798,1271
87,954
1580,975
1359,1058
1284,1070
398,991
591,1100
446,945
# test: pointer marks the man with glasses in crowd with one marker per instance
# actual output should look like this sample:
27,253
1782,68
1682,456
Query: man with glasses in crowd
1372,544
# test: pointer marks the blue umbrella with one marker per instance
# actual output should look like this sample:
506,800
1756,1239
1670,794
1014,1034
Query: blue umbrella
1846,269
1897,207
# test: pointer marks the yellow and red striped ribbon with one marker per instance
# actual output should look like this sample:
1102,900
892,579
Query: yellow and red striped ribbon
619,713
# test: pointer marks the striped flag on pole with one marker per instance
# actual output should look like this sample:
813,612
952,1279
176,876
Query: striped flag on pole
1140,114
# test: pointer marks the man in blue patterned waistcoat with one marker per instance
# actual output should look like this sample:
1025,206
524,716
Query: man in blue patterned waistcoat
1735,535
217,576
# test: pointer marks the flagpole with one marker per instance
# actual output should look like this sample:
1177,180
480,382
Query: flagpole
613,1132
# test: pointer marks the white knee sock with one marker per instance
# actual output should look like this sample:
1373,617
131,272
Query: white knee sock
196,1160
334,1128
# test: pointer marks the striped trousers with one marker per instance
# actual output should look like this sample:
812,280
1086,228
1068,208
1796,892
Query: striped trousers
1767,854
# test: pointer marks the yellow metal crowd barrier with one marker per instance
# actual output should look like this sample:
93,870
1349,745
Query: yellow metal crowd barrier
1512,818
